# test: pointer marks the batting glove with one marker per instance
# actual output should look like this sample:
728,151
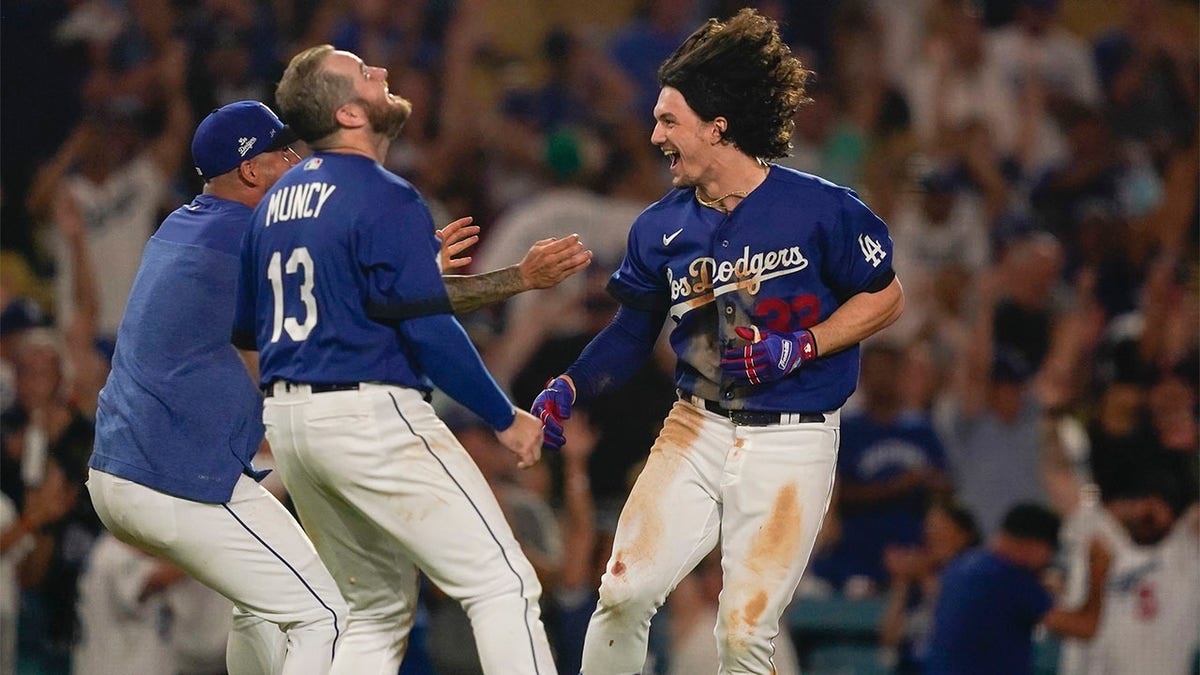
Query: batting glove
769,356
552,406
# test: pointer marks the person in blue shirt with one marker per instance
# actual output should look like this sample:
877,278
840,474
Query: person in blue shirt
890,464
992,598
178,419
341,295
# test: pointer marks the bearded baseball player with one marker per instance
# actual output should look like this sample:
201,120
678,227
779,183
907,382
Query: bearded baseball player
341,295
772,278
179,419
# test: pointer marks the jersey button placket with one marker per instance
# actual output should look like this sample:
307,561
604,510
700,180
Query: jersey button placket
730,321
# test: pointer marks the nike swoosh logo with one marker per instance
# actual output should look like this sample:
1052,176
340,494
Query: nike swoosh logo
667,239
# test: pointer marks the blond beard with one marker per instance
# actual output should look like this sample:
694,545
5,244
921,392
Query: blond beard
387,119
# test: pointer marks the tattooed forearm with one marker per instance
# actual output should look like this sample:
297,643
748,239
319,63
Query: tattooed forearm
472,291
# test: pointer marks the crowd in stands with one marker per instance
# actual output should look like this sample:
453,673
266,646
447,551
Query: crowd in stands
1038,165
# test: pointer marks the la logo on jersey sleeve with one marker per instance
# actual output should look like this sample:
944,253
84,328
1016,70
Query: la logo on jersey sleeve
872,250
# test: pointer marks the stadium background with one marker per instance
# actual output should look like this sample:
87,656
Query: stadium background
1036,162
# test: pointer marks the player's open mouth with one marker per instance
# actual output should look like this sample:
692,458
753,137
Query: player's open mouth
673,157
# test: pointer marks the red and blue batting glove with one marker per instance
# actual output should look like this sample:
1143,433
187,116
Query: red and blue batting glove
769,356
552,406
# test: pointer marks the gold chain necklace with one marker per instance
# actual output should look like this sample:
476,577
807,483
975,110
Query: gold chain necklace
715,204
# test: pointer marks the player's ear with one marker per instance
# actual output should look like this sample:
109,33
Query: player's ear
719,124
351,115
248,172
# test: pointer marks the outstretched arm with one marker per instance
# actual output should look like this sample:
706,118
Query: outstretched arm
1082,622
609,360
548,262
446,355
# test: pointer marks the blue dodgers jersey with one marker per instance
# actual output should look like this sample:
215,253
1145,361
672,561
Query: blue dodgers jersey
339,252
871,453
179,413
789,255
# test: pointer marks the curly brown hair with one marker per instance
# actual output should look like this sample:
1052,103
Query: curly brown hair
743,71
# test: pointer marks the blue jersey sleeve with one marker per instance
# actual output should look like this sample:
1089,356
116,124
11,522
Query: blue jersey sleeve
398,252
636,283
447,356
859,250
616,353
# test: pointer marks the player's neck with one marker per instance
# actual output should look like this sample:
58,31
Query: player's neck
234,192
732,182
370,145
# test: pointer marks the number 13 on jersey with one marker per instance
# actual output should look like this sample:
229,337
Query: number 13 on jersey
298,261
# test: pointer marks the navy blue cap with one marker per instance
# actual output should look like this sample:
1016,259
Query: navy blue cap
234,133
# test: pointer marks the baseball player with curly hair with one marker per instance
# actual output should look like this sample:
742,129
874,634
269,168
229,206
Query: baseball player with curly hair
772,277
341,295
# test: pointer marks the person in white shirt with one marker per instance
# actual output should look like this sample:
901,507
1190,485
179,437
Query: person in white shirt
1152,600
124,616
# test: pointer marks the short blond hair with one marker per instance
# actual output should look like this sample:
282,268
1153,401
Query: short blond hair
309,96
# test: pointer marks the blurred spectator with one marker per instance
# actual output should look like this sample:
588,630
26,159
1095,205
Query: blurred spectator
1152,601
870,109
20,534
125,621
1148,67
235,53
813,146
581,88
18,313
383,32
890,463
989,417
201,620
1029,302
119,180
955,83
949,530
941,243
643,44
46,438
522,496
904,25
1089,173
1042,66
991,599
44,424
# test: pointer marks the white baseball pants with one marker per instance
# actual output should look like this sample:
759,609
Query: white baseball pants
384,488
761,491
249,549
